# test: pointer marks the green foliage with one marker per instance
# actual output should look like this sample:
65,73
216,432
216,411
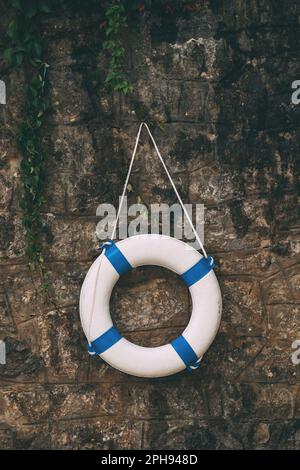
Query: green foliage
116,22
28,48
117,14
33,162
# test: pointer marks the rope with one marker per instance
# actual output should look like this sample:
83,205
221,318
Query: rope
170,179
127,179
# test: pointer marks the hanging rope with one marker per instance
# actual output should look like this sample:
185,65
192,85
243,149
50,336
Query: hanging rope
170,179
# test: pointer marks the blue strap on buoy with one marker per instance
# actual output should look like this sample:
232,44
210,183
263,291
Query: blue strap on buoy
198,271
116,257
105,341
186,353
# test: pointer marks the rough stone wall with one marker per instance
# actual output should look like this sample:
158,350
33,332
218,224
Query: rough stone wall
216,86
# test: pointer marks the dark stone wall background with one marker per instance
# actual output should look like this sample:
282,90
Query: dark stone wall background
216,86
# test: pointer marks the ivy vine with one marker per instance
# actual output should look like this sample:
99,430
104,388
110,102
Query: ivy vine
116,21
28,48
116,15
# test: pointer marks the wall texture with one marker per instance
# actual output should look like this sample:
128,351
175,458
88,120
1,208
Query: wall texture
216,86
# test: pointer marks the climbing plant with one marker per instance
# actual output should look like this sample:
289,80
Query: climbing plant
27,48
115,22
116,15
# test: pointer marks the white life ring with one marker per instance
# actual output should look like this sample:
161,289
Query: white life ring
197,273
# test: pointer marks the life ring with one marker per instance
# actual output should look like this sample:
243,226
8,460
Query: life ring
196,272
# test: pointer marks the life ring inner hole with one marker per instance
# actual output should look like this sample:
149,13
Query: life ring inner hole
150,305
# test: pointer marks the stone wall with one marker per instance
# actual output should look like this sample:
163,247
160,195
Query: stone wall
215,84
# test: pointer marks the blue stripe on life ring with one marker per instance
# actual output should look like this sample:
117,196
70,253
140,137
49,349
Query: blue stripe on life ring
185,352
198,271
117,259
105,341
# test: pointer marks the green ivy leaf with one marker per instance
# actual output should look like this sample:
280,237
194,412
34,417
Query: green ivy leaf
19,57
45,7
31,9
38,48
12,30
17,4
9,55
